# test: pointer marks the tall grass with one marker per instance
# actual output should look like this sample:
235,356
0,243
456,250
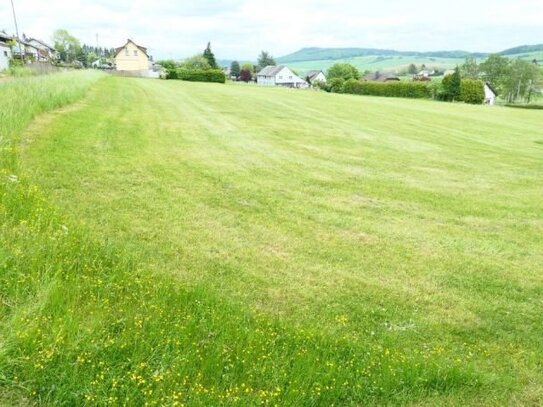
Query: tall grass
81,322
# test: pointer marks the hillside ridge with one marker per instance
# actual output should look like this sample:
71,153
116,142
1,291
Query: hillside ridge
317,53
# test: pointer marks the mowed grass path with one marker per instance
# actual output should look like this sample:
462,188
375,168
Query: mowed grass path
409,231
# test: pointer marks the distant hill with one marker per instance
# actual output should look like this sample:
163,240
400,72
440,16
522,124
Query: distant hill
523,49
312,54
374,59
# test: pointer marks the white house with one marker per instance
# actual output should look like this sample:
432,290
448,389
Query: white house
279,76
490,95
316,76
26,50
45,51
5,56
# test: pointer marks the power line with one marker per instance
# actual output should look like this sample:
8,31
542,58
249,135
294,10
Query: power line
17,32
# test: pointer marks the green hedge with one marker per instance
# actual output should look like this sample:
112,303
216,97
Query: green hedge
353,87
472,91
414,90
197,75
534,107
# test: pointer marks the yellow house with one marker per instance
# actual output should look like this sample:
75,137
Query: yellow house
131,57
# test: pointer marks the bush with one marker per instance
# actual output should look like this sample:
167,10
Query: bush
201,75
353,87
472,91
335,85
322,86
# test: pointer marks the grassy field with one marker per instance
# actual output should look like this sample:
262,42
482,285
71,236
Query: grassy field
174,243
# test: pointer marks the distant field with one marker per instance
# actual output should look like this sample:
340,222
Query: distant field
376,63
395,63
177,243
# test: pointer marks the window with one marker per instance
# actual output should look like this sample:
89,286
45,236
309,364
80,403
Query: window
280,77
135,53
5,53
126,52
290,77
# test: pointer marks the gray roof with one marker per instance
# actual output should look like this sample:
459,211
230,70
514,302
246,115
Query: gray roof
270,70
381,77
40,42
313,74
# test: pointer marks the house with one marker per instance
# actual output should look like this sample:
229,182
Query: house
45,52
380,77
23,49
490,94
315,76
132,57
5,50
5,55
279,76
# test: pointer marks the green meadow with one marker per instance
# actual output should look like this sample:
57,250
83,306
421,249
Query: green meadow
174,243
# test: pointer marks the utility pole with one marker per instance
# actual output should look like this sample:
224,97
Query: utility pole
17,32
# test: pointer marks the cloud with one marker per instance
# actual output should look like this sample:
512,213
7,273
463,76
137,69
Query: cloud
241,28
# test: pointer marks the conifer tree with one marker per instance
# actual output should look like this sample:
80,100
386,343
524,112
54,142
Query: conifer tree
208,54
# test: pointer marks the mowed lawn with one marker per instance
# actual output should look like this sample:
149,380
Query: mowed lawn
354,250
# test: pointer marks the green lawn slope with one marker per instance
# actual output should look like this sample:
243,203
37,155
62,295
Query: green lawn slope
172,243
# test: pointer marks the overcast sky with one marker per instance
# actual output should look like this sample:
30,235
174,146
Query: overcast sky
239,29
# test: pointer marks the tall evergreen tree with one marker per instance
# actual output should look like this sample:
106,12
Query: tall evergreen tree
208,54
451,85
235,69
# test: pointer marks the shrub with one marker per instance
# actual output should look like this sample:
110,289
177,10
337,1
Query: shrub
322,86
201,75
336,85
353,86
472,91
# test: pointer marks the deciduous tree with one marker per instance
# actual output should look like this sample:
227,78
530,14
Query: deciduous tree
67,45
265,59
344,71
470,69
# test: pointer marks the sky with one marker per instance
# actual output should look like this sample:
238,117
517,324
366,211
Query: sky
240,29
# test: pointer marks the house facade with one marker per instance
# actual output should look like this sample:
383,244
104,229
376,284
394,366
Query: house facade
45,52
23,49
279,76
316,76
5,55
131,57
490,94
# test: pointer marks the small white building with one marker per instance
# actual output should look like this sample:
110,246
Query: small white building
490,94
5,56
279,76
316,76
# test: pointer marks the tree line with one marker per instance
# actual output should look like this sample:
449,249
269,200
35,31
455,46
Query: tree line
72,52
247,71
515,80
